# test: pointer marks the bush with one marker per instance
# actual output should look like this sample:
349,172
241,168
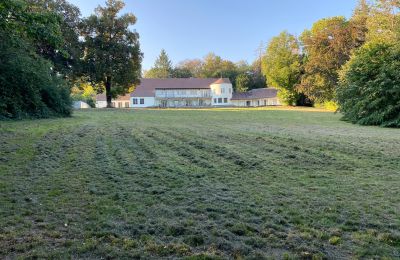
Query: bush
369,91
28,87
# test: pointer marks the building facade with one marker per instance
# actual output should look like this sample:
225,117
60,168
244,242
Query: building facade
256,98
120,102
190,92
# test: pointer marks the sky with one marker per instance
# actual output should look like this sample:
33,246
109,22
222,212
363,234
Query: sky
232,29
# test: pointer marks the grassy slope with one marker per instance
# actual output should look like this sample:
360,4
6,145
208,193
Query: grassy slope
221,183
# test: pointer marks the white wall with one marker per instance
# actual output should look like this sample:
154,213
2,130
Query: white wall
148,102
80,105
221,91
101,104
257,102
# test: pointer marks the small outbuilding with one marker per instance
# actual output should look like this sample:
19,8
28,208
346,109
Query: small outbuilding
80,105
256,98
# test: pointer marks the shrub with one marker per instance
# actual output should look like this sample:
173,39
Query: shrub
28,88
369,91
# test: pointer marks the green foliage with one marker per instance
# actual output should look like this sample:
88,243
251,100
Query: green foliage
65,58
162,67
29,86
281,66
112,51
243,82
181,73
369,92
193,66
327,46
84,91
383,23
215,67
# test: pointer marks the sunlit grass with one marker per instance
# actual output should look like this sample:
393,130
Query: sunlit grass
225,183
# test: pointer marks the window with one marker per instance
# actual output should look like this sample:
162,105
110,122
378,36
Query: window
142,101
219,100
135,101
119,104
225,100
223,90
215,100
112,104
126,104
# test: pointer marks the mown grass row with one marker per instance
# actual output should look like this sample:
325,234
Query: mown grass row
153,185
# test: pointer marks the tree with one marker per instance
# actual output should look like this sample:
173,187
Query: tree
36,91
214,66
327,47
181,73
369,92
281,66
162,67
243,82
358,23
84,91
383,23
112,51
194,66
66,58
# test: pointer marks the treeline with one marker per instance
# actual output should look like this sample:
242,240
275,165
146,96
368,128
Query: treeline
46,48
349,65
243,76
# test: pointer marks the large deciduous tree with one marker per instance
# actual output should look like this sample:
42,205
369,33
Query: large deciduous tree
112,52
383,23
282,67
327,46
194,66
66,57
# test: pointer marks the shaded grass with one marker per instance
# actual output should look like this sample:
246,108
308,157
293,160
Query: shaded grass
201,184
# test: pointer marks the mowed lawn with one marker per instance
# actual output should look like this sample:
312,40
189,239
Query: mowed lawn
199,184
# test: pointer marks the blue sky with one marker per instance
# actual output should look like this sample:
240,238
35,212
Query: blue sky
232,29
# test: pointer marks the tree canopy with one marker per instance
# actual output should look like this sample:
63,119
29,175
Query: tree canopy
327,47
282,67
369,92
37,91
112,51
162,67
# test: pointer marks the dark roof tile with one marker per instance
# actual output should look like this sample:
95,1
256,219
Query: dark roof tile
256,94
147,87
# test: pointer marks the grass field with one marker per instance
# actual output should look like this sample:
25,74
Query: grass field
201,184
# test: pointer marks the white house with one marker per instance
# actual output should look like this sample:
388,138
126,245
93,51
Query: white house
188,92
120,102
256,98
191,92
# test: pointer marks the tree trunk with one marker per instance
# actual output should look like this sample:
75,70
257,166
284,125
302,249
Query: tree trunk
108,92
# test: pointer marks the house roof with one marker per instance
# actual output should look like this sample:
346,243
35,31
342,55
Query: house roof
256,94
147,87
102,97
222,81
